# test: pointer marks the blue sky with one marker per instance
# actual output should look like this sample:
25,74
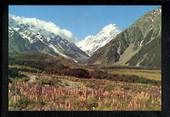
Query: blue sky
83,20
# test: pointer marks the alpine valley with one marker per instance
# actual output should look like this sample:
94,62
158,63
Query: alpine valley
138,45
50,70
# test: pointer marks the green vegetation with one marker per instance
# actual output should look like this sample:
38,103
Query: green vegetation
147,74
34,88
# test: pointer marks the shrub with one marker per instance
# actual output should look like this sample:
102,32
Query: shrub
77,73
45,82
13,72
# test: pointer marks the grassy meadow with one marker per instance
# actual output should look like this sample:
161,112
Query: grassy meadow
49,86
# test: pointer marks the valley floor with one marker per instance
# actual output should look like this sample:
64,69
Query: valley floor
51,92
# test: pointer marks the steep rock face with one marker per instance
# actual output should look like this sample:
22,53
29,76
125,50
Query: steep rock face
92,43
138,45
25,37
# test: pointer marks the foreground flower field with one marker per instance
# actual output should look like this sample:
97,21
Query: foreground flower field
45,92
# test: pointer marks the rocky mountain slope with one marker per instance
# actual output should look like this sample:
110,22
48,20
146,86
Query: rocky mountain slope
93,42
29,35
138,45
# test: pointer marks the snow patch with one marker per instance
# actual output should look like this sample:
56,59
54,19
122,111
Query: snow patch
119,49
152,20
75,60
26,37
55,50
141,43
144,57
16,29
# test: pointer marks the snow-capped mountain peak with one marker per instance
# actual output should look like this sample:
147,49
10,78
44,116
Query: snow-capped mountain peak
92,43
32,35
15,21
109,27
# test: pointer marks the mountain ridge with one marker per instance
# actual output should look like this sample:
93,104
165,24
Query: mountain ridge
135,46
138,45
91,43
25,37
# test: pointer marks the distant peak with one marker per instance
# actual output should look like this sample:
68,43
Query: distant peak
88,37
110,27
93,42
157,11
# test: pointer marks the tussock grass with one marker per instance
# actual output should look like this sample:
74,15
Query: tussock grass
148,74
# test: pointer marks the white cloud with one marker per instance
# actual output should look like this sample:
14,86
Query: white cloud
49,26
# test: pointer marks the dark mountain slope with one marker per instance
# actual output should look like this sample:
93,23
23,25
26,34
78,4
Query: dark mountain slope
138,45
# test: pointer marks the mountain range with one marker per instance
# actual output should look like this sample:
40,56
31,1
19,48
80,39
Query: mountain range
27,36
138,45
